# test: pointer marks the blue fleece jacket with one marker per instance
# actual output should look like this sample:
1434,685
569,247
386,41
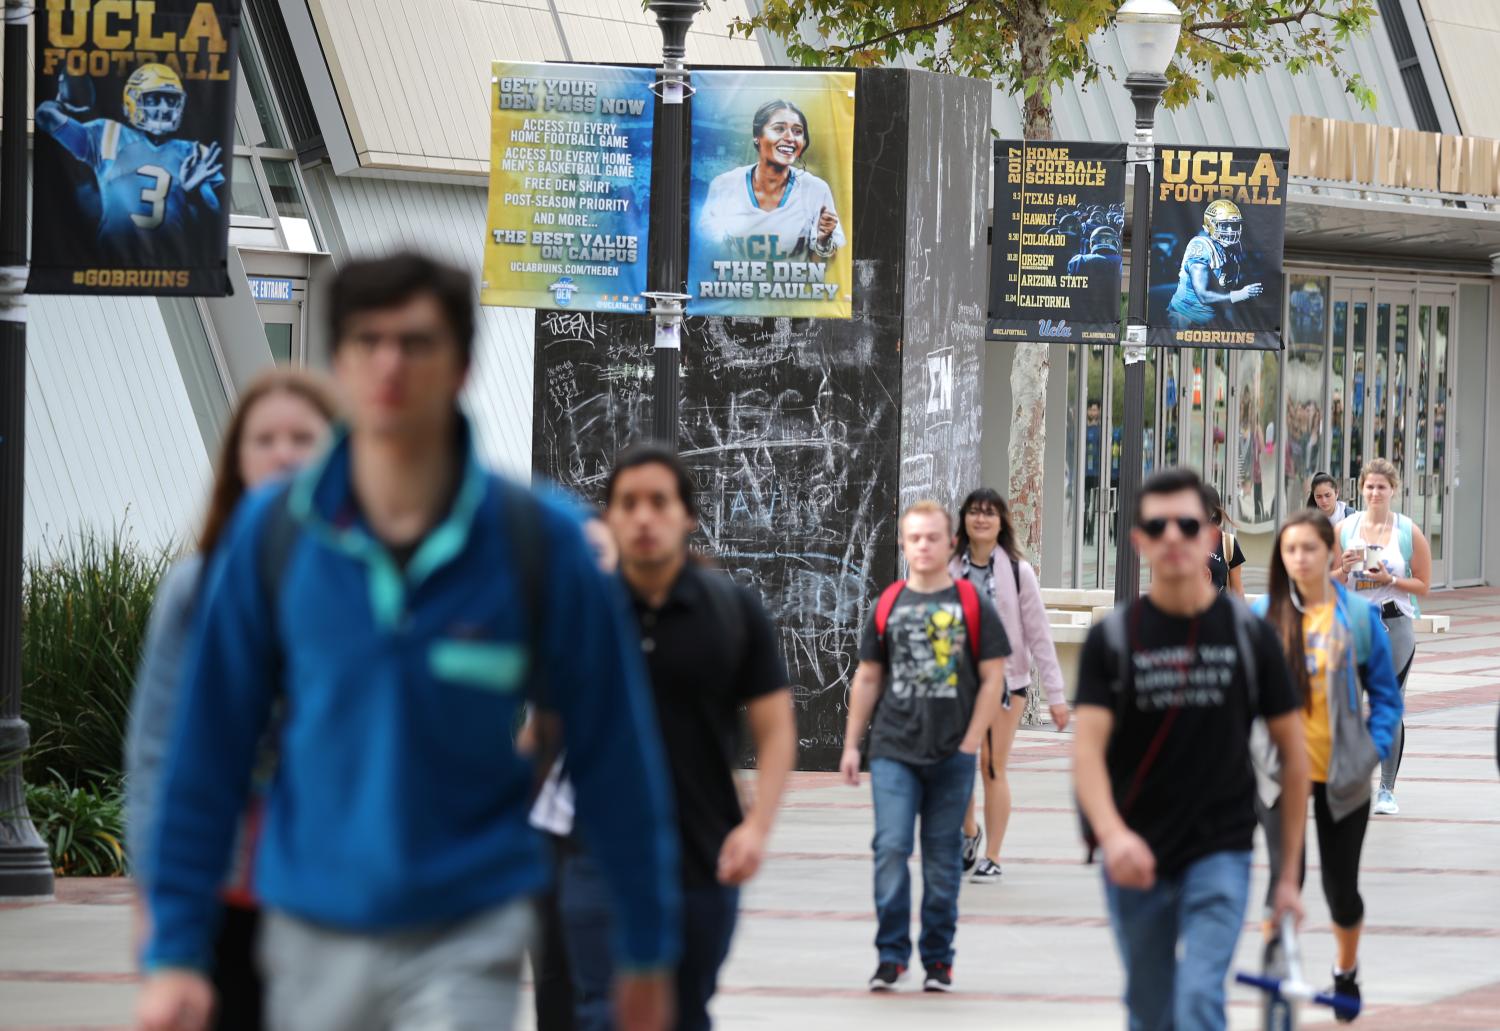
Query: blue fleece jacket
398,801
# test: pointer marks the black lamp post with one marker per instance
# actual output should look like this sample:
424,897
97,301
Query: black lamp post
24,867
674,18
1147,31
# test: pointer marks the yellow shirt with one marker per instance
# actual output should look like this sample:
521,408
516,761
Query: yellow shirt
1317,642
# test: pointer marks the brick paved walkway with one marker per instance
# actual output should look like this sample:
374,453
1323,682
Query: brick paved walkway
1034,951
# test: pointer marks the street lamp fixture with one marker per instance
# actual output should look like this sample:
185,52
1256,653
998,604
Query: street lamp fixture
674,18
1147,31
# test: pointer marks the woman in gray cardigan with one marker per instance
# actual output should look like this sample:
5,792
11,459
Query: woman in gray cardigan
280,421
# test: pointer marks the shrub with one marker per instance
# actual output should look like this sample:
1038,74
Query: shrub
84,827
84,610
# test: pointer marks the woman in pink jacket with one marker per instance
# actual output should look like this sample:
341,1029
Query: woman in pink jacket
988,557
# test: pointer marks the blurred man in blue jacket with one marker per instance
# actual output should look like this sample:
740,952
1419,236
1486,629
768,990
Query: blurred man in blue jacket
395,604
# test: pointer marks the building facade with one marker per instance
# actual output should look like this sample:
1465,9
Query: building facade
363,127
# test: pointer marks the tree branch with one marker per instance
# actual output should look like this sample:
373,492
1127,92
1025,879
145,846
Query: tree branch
1197,28
952,15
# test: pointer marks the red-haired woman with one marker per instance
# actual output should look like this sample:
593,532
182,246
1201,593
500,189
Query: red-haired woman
283,417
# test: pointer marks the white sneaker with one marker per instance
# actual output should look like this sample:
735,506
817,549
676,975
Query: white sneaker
1385,803
987,872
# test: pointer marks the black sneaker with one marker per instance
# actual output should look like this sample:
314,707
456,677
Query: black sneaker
1347,985
939,978
886,977
971,849
987,872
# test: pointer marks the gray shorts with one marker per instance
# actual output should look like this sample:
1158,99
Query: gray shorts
451,977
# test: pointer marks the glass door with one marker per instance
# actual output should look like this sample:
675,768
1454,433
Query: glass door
1349,406
1394,337
1306,417
1428,497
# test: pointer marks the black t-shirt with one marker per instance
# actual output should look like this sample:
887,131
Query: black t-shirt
931,679
1218,569
699,687
1197,798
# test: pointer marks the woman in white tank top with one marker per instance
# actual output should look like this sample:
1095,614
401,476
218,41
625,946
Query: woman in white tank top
1387,561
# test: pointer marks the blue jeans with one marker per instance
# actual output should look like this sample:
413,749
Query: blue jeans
1176,941
939,794
708,919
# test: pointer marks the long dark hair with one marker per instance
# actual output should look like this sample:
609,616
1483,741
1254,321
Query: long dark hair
1281,613
1217,513
229,482
988,497
1318,481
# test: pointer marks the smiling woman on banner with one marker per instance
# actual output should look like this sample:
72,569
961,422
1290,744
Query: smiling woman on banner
772,210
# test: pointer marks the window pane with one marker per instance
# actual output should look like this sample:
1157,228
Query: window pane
244,194
279,336
266,132
1381,401
282,179
1337,415
200,372
1400,395
1074,481
1304,427
1357,337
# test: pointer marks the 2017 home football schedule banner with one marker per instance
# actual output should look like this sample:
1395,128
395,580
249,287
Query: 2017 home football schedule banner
1055,253
1218,223
772,194
570,187
134,138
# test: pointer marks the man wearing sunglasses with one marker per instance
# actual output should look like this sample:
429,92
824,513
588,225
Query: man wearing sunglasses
1168,687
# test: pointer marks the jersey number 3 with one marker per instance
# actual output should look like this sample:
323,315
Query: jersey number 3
153,196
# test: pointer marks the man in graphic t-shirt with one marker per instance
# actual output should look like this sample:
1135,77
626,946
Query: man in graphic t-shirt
1162,765
931,671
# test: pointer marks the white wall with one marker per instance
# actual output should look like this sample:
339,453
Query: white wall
368,216
111,440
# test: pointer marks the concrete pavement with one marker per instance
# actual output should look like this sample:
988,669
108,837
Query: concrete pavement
1033,951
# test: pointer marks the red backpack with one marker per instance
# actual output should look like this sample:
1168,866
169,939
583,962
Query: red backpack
968,597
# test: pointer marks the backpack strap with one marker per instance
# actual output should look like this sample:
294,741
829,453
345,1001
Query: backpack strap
883,609
727,600
1244,638
1117,637
278,536
522,525
1015,571
968,597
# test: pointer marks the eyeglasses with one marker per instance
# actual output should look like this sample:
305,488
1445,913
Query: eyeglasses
1189,525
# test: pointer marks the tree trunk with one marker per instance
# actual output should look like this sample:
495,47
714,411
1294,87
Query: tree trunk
1032,361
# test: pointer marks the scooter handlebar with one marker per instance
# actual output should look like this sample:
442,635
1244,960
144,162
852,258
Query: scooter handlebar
1342,1004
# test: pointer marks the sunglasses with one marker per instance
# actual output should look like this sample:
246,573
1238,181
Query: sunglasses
1189,525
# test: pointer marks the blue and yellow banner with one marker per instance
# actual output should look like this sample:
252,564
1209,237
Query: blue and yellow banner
772,196
570,187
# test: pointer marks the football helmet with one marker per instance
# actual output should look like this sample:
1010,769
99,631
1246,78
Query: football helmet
1104,240
1222,222
154,99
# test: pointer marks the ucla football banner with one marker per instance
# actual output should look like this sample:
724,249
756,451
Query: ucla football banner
1055,249
772,194
133,146
570,186
1218,223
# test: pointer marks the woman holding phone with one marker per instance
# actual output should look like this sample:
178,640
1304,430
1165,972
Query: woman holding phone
1388,562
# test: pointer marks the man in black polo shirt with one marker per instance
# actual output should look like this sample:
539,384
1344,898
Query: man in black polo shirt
709,649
